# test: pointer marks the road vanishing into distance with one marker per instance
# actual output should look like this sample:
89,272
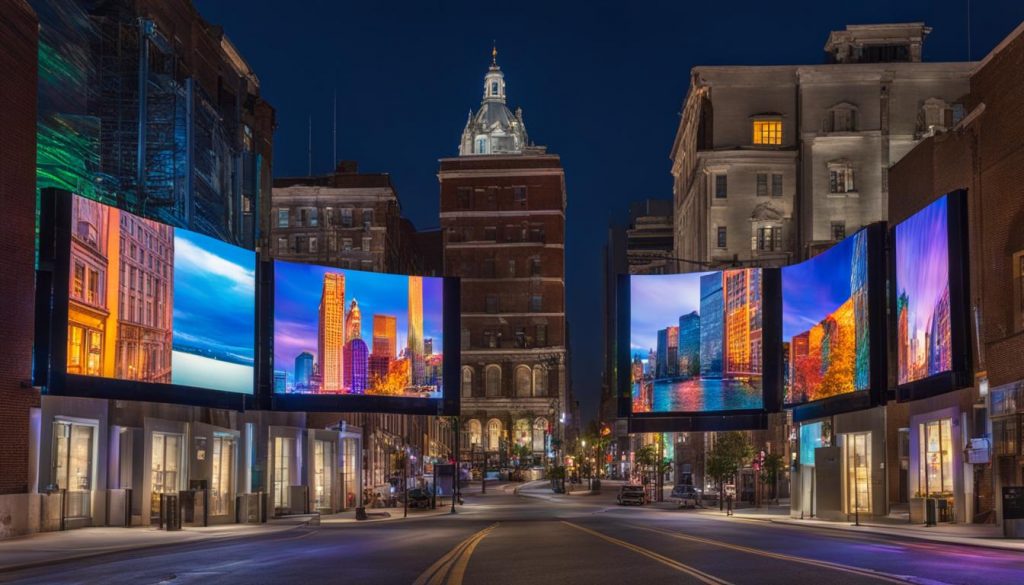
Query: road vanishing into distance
536,537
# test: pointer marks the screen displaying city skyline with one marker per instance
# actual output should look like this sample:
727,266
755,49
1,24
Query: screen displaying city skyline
924,334
339,331
825,323
153,303
696,341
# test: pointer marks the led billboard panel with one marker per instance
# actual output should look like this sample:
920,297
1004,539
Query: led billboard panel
826,335
354,333
696,342
155,304
924,333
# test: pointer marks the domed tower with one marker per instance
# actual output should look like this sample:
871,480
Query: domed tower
494,129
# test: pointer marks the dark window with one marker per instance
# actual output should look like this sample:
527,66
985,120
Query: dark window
465,339
367,217
762,184
511,268
491,338
769,238
488,268
536,303
534,266
542,335
519,195
491,233
776,185
721,237
721,186
464,197
521,337
492,303
838,230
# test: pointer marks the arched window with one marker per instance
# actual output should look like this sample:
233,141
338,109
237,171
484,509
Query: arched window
540,428
481,145
492,380
522,432
475,433
522,378
467,382
540,381
494,88
493,434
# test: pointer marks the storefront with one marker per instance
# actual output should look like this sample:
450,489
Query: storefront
1007,421
351,462
322,471
73,459
165,459
288,492
215,470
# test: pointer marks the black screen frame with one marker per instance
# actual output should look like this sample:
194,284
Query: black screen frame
447,405
718,420
960,375
52,311
878,377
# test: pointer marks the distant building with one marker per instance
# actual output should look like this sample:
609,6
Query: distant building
280,381
356,366
353,322
689,344
428,346
303,371
331,332
385,336
414,333
712,323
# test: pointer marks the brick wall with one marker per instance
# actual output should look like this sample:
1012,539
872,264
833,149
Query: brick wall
18,37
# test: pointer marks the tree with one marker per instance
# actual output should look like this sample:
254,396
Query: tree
772,470
730,453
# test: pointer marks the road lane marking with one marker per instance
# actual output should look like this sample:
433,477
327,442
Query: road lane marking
695,573
453,564
781,556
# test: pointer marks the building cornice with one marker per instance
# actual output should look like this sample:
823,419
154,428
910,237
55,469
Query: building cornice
517,213
514,172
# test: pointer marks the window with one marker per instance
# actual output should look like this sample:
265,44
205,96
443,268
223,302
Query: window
838,230
87,232
492,381
491,339
312,245
776,185
304,217
481,146
367,242
523,381
346,244
540,429
536,303
857,451
282,218
78,284
464,339
313,217
768,238
492,303
762,184
75,342
841,118
493,434
463,195
519,195
475,433
282,245
721,186
346,217
467,384
488,268
490,233
521,337
540,381
367,217
535,266
721,241
840,178
511,268
300,244
521,432
768,132
542,335
936,473
494,88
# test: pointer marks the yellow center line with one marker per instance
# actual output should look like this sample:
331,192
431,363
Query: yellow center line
695,573
781,556
437,572
458,570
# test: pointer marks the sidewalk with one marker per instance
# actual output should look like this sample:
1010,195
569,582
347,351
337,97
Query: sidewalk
984,535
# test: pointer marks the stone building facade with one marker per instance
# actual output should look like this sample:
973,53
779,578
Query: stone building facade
503,227
773,164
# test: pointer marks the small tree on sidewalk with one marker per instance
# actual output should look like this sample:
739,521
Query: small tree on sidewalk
731,452
770,473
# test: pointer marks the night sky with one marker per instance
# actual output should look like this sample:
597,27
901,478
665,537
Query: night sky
814,288
657,301
600,83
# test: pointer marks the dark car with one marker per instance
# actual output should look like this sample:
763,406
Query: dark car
631,494
419,498
686,496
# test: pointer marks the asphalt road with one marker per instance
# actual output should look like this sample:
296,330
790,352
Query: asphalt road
501,538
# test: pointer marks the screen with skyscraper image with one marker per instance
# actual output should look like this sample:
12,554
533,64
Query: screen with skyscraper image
825,323
151,303
696,341
923,328
350,332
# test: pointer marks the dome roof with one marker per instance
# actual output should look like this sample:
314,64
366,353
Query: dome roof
493,129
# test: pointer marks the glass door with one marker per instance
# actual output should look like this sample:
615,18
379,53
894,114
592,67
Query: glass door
72,466
283,449
350,472
323,473
858,472
165,468
222,485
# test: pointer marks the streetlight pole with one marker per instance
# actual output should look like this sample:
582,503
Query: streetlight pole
455,458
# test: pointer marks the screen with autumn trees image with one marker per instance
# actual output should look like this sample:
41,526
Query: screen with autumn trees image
351,332
825,323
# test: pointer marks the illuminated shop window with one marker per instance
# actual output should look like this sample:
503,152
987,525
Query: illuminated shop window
936,473
857,449
768,132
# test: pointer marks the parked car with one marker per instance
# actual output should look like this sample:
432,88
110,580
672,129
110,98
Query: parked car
631,494
418,497
686,496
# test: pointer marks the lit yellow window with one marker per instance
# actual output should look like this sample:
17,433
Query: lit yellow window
768,132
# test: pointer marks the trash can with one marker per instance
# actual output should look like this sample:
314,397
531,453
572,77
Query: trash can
170,512
1013,511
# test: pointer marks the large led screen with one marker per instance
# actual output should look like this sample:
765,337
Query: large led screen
350,332
151,303
825,323
923,327
696,342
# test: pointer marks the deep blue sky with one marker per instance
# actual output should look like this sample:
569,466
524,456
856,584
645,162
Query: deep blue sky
214,295
656,302
600,83
297,290
816,287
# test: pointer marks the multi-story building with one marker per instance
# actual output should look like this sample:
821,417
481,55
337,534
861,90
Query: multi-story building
146,106
649,237
772,164
503,223
344,218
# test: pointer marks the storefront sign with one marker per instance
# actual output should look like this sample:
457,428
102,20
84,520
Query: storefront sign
978,451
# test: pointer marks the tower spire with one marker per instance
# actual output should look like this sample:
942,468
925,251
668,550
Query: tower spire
494,52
